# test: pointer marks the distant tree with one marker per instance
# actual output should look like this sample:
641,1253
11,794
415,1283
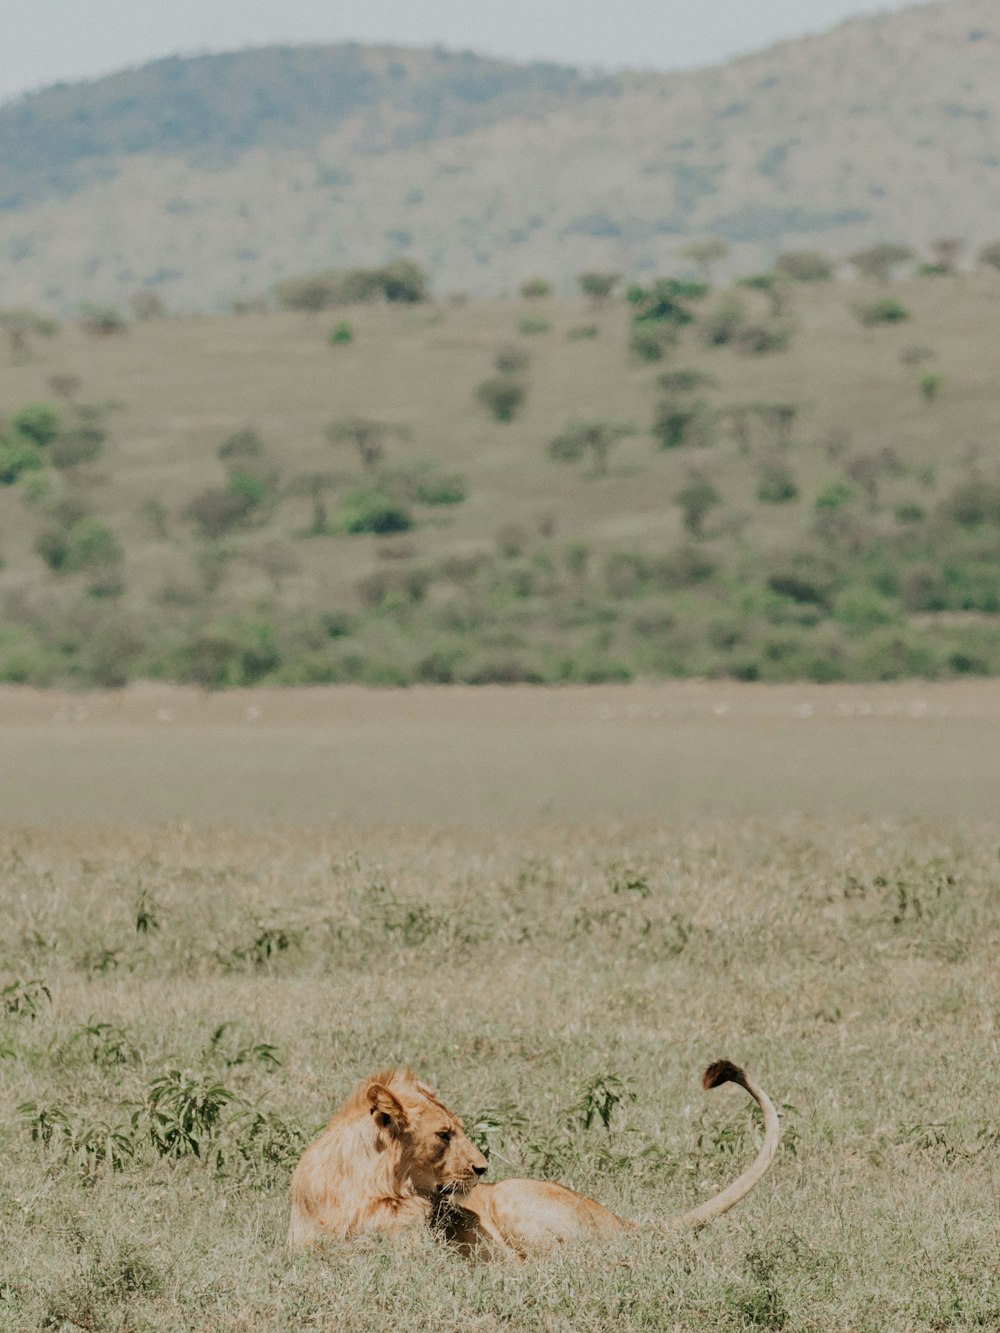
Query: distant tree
598,286
705,253
147,305
774,285
511,360
596,438
368,437
724,322
775,482
399,281
778,418
242,444
804,266
697,498
879,261
316,485
64,386
102,320
502,395
340,333
947,251
534,288
21,325
989,255
665,301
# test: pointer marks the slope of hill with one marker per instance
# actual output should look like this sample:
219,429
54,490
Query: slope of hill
210,178
828,511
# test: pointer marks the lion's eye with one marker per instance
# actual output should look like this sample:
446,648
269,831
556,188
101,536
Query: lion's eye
444,1135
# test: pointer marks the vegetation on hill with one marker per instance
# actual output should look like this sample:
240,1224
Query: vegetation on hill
474,492
209,179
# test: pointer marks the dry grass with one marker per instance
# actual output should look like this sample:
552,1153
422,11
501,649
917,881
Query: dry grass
851,963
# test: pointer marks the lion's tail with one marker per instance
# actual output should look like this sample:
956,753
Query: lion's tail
724,1071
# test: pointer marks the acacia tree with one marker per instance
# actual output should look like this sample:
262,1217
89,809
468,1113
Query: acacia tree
594,437
705,253
598,286
22,324
879,261
367,436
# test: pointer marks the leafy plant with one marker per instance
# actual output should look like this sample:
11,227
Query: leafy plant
23,999
183,1113
597,1099
503,396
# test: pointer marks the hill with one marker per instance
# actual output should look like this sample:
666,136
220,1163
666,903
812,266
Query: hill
791,492
210,178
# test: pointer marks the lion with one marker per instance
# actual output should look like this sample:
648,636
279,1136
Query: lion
520,1218
390,1150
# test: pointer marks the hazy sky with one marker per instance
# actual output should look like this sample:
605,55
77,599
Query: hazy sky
44,41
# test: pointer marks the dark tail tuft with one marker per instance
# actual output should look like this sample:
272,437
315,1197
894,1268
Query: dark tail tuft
723,1071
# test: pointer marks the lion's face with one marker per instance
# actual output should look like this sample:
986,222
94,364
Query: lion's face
435,1152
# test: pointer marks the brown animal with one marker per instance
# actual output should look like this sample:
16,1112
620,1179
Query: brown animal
517,1218
390,1149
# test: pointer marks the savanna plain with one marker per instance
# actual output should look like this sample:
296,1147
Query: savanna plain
183,1005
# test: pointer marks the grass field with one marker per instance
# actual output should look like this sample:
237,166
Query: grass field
523,964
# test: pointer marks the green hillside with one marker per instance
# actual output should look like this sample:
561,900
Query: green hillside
208,179
806,485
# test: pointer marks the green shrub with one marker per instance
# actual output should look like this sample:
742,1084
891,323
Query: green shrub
18,456
679,423
835,495
930,384
534,288
241,444
804,266
441,488
685,381
370,510
722,324
89,545
775,483
598,286
595,438
502,396
760,339
218,510
340,333
649,342
973,502
533,324
582,332
511,360
697,498
102,320
38,422
886,310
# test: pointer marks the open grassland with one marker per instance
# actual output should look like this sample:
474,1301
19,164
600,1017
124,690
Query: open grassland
180,1009
829,511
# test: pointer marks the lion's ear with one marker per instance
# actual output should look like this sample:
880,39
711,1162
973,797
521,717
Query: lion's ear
386,1108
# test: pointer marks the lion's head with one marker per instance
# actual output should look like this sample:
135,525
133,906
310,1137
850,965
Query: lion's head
434,1152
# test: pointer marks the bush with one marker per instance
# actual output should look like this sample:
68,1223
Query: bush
84,545
369,510
886,310
102,320
242,444
511,360
218,510
930,384
759,339
835,495
535,288
879,261
724,321
775,483
400,281
649,342
598,286
340,333
594,437
16,457
441,488
697,498
39,422
533,324
989,255
502,396
679,423
973,502
804,266
682,568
